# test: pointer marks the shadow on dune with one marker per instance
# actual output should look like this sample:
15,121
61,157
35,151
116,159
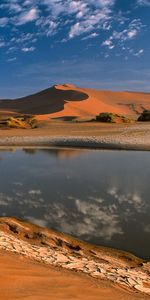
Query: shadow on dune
65,118
51,100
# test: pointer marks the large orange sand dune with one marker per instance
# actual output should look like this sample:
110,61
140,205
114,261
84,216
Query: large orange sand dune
70,101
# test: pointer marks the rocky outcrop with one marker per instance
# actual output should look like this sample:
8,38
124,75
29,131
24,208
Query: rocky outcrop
56,249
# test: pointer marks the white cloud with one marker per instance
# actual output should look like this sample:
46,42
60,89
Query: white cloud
139,53
94,21
14,7
143,2
2,43
3,22
90,219
47,25
132,33
12,59
132,199
90,36
79,18
90,13
28,16
108,43
28,49
35,192
120,38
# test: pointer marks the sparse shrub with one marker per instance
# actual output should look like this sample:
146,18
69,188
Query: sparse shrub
107,117
20,121
145,116
33,123
13,122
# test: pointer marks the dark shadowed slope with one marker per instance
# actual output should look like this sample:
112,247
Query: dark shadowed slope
48,101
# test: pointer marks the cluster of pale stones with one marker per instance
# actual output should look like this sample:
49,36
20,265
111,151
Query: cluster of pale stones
137,278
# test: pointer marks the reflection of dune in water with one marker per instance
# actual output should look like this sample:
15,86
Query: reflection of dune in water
59,153
63,153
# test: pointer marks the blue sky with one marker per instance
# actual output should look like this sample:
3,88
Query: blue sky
103,44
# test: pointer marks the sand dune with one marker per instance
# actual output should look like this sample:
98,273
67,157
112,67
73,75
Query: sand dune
23,279
63,101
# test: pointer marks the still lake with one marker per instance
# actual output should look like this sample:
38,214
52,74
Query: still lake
102,197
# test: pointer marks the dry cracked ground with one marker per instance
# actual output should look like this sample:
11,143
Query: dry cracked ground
55,249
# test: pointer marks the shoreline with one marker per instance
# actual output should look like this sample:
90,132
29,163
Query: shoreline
82,142
80,135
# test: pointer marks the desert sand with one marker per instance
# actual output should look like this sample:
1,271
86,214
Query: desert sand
77,106
23,279
37,264
68,101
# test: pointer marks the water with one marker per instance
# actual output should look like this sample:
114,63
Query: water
102,197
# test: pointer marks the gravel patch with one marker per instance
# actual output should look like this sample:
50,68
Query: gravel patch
117,142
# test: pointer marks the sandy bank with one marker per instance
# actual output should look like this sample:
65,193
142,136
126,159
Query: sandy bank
78,142
87,135
23,279
52,249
